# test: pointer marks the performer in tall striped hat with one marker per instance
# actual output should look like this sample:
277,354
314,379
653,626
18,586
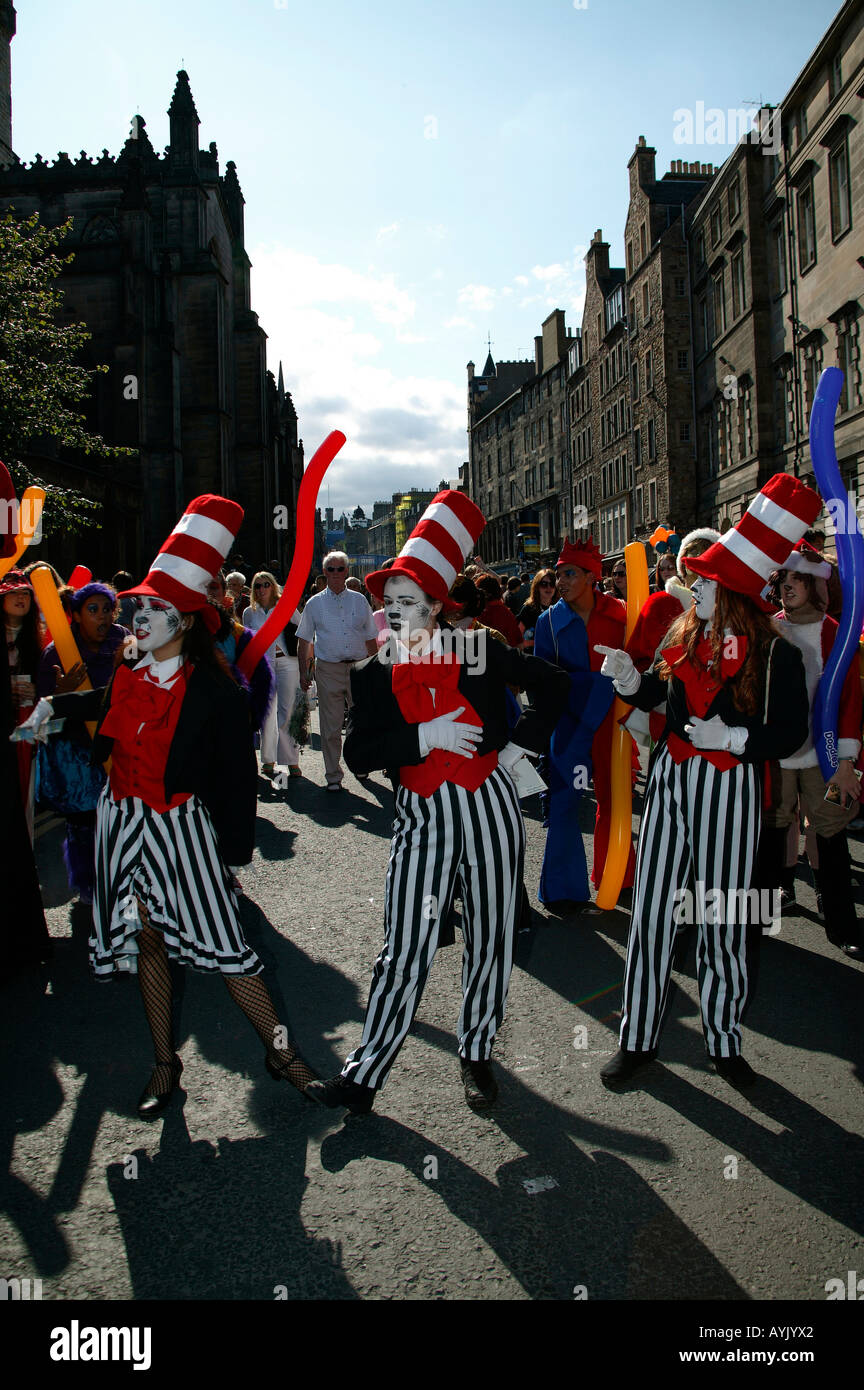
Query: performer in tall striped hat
179,806
735,697
430,708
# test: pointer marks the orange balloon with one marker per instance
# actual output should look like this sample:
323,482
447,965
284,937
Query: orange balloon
662,533
621,827
58,625
29,513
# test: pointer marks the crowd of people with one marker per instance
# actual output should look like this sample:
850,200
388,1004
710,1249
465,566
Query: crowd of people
449,680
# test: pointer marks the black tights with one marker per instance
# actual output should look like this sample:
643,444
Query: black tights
249,992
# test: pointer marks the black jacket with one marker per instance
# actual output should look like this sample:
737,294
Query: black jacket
778,736
380,737
212,753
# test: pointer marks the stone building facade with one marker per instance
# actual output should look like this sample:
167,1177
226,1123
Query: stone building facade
518,465
161,278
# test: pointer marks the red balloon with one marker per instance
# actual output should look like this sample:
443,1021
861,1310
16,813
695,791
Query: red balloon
279,616
79,577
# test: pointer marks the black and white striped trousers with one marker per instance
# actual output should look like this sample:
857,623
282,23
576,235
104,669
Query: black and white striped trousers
454,836
699,832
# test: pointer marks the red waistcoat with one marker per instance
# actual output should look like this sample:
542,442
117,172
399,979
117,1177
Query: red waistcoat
413,682
142,721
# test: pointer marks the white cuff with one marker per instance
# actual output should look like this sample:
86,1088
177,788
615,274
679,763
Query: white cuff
738,739
424,746
628,685
848,748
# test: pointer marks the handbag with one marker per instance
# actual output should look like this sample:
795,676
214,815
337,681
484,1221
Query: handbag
67,779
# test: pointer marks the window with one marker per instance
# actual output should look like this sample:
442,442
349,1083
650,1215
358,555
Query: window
552,471
719,304
652,443
684,432
540,430
806,228
643,241
835,75
838,178
629,258
646,303
510,454
649,371
562,416
527,441
683,359
700,248
781,414
500,497
512,494
739,292
734,198
704,325
551,430
533,434
680,286
802,123
778,265
812,372
637,448
633,321
542,477
716,225
634,380
846,363
638,514
499,460
652,500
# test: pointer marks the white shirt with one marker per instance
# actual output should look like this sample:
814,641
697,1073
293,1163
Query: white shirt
340,625
160,672
254,618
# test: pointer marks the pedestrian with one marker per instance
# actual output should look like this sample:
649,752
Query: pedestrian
512,593
125,606
232,639
339,624
803,621
542,595
495,613
67,777
434,708
179,808
663,570
619,580
735,696
581,748
235,583
24,653
278,748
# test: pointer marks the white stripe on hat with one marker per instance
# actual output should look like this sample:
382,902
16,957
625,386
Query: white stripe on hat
190,575
204,528
446,517
431,555
777,518
749,554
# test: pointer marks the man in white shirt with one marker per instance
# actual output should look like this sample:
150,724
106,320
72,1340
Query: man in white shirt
339,622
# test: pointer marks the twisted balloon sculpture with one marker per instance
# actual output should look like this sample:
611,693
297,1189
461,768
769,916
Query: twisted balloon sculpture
299,571
850,559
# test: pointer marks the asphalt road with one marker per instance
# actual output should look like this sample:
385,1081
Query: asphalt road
683,1189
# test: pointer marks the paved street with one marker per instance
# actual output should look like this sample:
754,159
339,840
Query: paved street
681,1190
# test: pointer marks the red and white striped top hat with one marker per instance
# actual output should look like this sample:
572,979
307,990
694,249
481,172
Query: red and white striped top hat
435,551
192,556
745,557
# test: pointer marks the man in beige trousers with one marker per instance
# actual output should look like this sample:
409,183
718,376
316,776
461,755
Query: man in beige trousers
339,623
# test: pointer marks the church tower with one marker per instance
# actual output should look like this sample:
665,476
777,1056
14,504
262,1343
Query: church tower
7,33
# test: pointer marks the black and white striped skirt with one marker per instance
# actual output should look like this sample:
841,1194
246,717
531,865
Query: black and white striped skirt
170,862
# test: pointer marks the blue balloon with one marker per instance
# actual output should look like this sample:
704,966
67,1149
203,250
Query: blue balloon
850,560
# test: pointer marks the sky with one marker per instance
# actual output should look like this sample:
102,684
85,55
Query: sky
416,175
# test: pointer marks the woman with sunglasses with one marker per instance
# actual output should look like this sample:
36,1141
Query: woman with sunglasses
277,745
543,593
619,581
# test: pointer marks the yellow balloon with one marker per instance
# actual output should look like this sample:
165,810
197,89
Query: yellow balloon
58,625
620,830
29,513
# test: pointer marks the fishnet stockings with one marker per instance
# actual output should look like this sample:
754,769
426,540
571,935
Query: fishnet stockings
251,994
155,981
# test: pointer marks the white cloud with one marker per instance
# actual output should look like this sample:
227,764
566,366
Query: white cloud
329,325
478,297
458,322
387,233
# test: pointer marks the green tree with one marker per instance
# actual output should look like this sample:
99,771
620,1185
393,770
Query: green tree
42,381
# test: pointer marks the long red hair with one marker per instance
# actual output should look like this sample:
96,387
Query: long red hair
734,614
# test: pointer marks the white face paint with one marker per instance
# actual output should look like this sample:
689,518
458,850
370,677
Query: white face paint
407,608
155,623
704,593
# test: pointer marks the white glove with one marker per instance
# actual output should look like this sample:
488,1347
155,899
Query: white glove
510,755
34,729
714,735
445,733
619,667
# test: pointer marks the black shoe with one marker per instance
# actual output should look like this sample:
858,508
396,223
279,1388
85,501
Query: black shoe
736,1071
481,1088
150,1105
787,900
290,1066
340,1092
854,952
618,1072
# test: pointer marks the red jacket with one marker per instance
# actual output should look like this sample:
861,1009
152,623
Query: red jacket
496,614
